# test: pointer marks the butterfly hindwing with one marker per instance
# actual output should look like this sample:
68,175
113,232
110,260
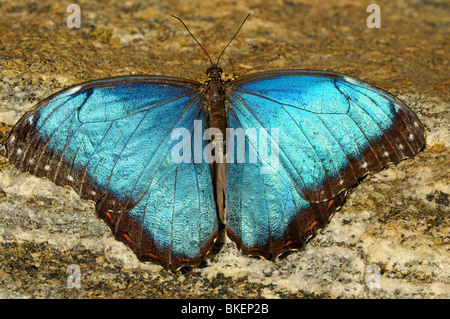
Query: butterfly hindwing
110,140
331,131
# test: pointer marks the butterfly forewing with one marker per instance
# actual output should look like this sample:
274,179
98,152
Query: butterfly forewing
111,141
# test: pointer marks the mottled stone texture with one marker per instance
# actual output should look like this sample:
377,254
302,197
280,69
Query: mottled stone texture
391,238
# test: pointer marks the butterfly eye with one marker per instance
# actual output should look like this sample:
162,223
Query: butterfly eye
208,71
220,70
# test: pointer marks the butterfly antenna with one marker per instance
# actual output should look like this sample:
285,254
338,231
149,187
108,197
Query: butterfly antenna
201,46
234,36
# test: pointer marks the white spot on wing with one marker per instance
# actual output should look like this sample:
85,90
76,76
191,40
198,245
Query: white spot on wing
351,80
13,138
386,154
73,90
47,167
400,146
411,137
93,193
364,165
19,151
70,178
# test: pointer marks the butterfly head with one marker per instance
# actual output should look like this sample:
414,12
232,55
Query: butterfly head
214,72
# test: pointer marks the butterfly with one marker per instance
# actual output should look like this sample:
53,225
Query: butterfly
168,160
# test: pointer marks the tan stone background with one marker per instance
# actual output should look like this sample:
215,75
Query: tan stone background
394,227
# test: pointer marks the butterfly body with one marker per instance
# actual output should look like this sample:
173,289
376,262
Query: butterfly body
216,117
114,142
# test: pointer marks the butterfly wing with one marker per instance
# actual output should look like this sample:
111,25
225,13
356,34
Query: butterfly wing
111,141
330,129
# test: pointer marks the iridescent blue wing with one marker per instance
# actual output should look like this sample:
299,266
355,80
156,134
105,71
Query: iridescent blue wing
111,141
332,130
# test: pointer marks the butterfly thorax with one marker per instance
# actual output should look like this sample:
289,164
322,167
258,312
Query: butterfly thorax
214,90
215,98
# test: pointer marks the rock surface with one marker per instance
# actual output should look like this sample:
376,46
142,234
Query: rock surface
391,238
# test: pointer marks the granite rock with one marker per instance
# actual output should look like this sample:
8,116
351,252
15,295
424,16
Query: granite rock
391,238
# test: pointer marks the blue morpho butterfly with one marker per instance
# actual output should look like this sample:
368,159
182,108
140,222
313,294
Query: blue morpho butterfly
131,144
